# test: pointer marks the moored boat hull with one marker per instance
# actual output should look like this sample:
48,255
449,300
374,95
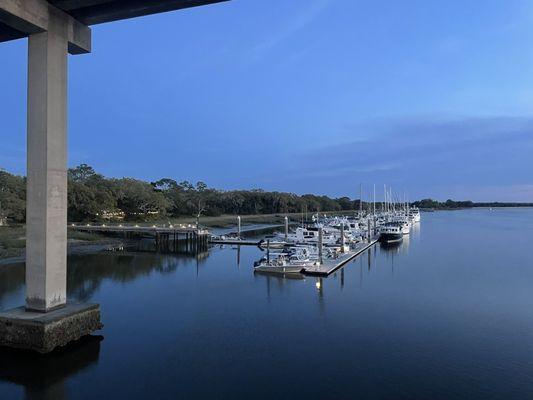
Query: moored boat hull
288,269
391,237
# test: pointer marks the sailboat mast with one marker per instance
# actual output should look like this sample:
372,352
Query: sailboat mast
384,197
374,201
360,200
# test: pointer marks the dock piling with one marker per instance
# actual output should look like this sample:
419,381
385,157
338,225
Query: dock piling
320,244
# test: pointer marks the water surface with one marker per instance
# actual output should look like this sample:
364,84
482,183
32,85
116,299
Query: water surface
448,314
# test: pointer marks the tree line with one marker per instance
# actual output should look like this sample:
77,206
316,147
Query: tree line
439,205
453,204
93,197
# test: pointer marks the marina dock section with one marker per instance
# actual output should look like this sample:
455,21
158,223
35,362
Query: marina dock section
238,242
331,265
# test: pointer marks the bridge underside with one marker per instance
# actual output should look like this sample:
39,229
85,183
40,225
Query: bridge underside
90,12
86,12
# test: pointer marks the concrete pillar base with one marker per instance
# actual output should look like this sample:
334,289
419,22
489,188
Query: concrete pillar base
43,333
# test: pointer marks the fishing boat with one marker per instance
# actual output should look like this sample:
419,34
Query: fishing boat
286,263
272,243
404,222
278,266
391,232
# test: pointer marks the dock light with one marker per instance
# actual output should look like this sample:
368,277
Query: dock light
103,225
153,226
172,226
73,225
136,226
120,225
88,224
318,285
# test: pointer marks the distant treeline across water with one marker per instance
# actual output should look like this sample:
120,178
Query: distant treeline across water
93,197
451,204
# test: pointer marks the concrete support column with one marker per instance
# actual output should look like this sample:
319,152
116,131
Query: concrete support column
46,216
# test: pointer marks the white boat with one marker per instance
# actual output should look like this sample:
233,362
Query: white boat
279,269
272,244
285,263
414,214
403,221
310,235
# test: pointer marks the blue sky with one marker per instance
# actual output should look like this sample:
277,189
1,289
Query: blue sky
432,97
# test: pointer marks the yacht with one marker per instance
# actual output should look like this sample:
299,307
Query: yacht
414,214
310,235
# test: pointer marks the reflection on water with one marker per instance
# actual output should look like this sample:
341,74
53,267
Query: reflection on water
381,256
43,376
87,272
441,315
11,281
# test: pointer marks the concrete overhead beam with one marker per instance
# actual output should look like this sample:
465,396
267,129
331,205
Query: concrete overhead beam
33,16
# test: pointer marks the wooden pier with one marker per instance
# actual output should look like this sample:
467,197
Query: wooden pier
169,239
331,265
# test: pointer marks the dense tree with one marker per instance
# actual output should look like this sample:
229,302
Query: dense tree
12,196
165,184
448,204
81,173
138,199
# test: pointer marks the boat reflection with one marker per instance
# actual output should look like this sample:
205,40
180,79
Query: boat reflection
390,247
278,276
12,278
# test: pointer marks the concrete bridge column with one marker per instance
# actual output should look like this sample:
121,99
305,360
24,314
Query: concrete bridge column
46,243
47,321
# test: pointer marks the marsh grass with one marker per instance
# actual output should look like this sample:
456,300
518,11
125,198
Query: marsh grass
13,239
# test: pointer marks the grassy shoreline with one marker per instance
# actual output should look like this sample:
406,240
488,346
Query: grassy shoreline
13,242
224,221
13,237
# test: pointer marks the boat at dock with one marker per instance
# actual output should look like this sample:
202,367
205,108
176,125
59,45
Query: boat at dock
272,243
414,214
391,232
311,235
290,262
405,225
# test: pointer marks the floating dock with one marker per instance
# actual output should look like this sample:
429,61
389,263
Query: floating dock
331,265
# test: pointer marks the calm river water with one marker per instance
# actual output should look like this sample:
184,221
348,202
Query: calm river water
448,314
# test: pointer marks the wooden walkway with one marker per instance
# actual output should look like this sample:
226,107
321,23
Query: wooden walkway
151,230
331,265
173,238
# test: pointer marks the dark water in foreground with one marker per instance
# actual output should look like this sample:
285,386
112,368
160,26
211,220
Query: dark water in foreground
447,315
